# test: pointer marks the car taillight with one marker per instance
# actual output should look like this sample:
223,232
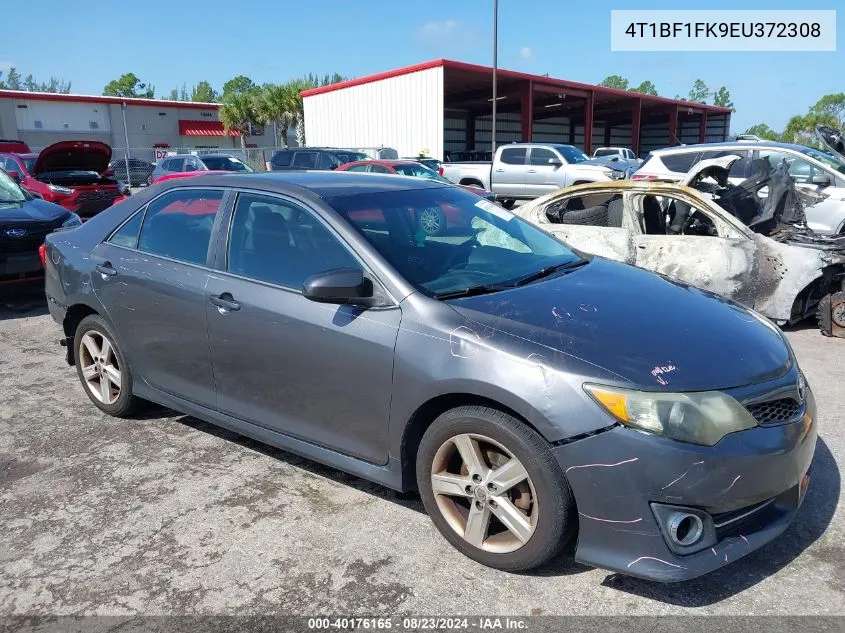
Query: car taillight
42,255
643,177
440,171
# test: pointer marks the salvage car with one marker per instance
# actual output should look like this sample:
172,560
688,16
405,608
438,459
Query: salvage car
748,242
821,175
532,394
73,174
24,223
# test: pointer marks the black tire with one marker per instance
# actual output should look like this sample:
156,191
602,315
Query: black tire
126,403
592,216
556,521
508,204
432,221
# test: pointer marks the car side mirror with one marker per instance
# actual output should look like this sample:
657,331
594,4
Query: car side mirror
14,175
555,162
108,173
820,178
342,285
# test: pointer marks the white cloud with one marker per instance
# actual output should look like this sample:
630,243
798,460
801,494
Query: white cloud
441,32
526,52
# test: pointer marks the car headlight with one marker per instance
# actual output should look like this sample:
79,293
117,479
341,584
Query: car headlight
73,220
702,417
616,174
58,189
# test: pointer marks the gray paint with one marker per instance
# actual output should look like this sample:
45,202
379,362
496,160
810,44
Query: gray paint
341,384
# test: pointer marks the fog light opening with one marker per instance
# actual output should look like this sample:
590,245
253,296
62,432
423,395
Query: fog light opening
685,529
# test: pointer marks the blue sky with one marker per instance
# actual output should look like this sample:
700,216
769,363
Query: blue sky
93,41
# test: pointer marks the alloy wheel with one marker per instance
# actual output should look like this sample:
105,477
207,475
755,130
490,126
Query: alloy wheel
100,367
484,493
430,221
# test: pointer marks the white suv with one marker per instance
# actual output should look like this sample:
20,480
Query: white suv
820,174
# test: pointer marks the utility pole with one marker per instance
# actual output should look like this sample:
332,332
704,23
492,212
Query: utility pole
126,140
495,62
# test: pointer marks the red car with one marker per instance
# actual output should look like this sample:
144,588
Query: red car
73,174
431,221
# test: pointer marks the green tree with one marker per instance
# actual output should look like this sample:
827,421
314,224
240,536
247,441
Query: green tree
30,85
296,87
203,92
128,86
13,79
699,92
763,131
174,95
722,97
239,85
237,112
831,108
278,103
183,93
615,81
646,88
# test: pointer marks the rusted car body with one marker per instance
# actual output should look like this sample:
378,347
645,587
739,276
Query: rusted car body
787,274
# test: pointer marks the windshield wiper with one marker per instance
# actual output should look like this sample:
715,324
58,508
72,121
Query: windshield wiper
549,270
470,292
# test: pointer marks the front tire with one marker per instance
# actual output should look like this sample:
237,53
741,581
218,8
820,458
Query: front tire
494,490
102,368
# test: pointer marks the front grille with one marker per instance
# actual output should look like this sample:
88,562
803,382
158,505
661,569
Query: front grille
775,411
92,202
35,234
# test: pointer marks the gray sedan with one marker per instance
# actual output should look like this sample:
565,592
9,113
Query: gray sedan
532,394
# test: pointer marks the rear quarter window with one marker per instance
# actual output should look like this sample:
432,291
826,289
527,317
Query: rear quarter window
681,162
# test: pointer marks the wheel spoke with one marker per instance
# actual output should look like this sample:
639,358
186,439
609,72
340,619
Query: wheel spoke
89,372
513,519
507,476
477,523
105,389
105,350
450,485
112,374
91,346
471,454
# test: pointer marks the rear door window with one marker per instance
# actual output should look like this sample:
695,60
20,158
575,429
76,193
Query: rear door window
305,160
179,224
513,156
681,162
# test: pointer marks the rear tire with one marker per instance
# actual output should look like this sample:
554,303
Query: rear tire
102,368
508,204
514,521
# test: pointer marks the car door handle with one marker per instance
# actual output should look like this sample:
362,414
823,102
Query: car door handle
106,269
532,171
500,170
226,302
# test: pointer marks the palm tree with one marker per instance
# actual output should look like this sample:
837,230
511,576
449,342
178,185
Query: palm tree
277,104
237,112
296,86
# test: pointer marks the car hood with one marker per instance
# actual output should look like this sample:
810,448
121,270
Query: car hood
643,328
73,155
832,138
603,164
36,210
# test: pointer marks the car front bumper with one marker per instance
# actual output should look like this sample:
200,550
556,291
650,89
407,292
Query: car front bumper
752,483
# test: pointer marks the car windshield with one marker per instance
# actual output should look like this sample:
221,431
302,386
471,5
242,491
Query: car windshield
828,159
445,241
10,193
225,163
572,154
420,171
29,163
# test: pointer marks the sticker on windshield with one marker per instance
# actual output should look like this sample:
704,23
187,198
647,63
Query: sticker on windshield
495,209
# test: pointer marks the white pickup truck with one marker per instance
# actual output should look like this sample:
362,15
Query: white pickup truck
524,171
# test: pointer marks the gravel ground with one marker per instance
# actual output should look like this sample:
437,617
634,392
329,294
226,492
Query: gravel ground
170,515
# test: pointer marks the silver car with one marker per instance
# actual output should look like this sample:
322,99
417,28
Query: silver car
816,173
178,163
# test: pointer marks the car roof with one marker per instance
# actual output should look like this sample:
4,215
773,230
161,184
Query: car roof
16,155
325,184
680,149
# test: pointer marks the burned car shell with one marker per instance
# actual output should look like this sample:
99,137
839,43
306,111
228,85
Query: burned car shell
757,271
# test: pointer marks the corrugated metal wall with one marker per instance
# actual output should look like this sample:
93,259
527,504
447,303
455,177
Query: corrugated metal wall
403,112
